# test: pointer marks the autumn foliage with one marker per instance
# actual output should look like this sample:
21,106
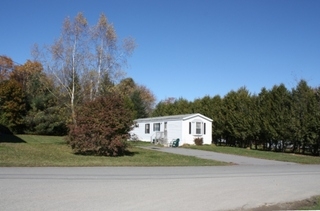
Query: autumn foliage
12,105
102,127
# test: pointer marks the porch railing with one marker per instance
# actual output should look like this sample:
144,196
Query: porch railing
159,138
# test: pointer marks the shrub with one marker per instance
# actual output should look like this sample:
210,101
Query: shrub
198,141
102,127
51,121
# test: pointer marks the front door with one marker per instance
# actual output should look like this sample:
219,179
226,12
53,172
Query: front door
165,131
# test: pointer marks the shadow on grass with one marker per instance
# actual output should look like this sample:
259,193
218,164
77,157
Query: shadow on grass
129,153
90,153
6,138
4,130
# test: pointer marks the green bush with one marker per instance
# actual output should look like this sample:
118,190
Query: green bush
102,127
198,141
51,121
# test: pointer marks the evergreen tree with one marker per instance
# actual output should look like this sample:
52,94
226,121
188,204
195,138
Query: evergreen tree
236,108
280,115
138,105
306,115
264,108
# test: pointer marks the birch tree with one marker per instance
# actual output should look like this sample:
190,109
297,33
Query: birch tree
108,56
68,56
85,61
104,37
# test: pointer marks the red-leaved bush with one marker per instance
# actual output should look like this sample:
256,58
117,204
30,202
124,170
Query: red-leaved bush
198,141
102,127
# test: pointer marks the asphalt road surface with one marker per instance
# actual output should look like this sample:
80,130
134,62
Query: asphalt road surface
237,187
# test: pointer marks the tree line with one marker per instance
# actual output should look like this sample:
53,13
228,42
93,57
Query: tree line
32,101
277,119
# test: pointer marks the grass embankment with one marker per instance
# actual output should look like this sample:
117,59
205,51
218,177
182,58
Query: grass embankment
314,204
30,150
270,155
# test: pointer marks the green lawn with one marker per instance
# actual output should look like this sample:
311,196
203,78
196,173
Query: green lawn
288,157
31,150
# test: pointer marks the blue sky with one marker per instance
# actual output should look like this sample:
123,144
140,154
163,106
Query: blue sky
187,48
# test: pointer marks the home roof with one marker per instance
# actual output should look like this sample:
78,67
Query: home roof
173,118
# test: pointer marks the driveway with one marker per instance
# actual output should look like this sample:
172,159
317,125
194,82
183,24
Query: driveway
240,160
237,187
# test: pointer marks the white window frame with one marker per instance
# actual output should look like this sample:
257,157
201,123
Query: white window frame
198,128
156,127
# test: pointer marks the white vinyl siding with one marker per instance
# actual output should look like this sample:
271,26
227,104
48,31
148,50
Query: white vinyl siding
174,130
184,127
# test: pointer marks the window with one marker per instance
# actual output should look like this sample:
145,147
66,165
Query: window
156,126
189,127
204,128
198,128
147,128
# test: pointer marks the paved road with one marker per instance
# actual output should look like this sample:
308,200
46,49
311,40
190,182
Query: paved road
240,160
156,188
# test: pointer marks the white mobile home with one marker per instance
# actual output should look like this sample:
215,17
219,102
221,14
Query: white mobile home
164,129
